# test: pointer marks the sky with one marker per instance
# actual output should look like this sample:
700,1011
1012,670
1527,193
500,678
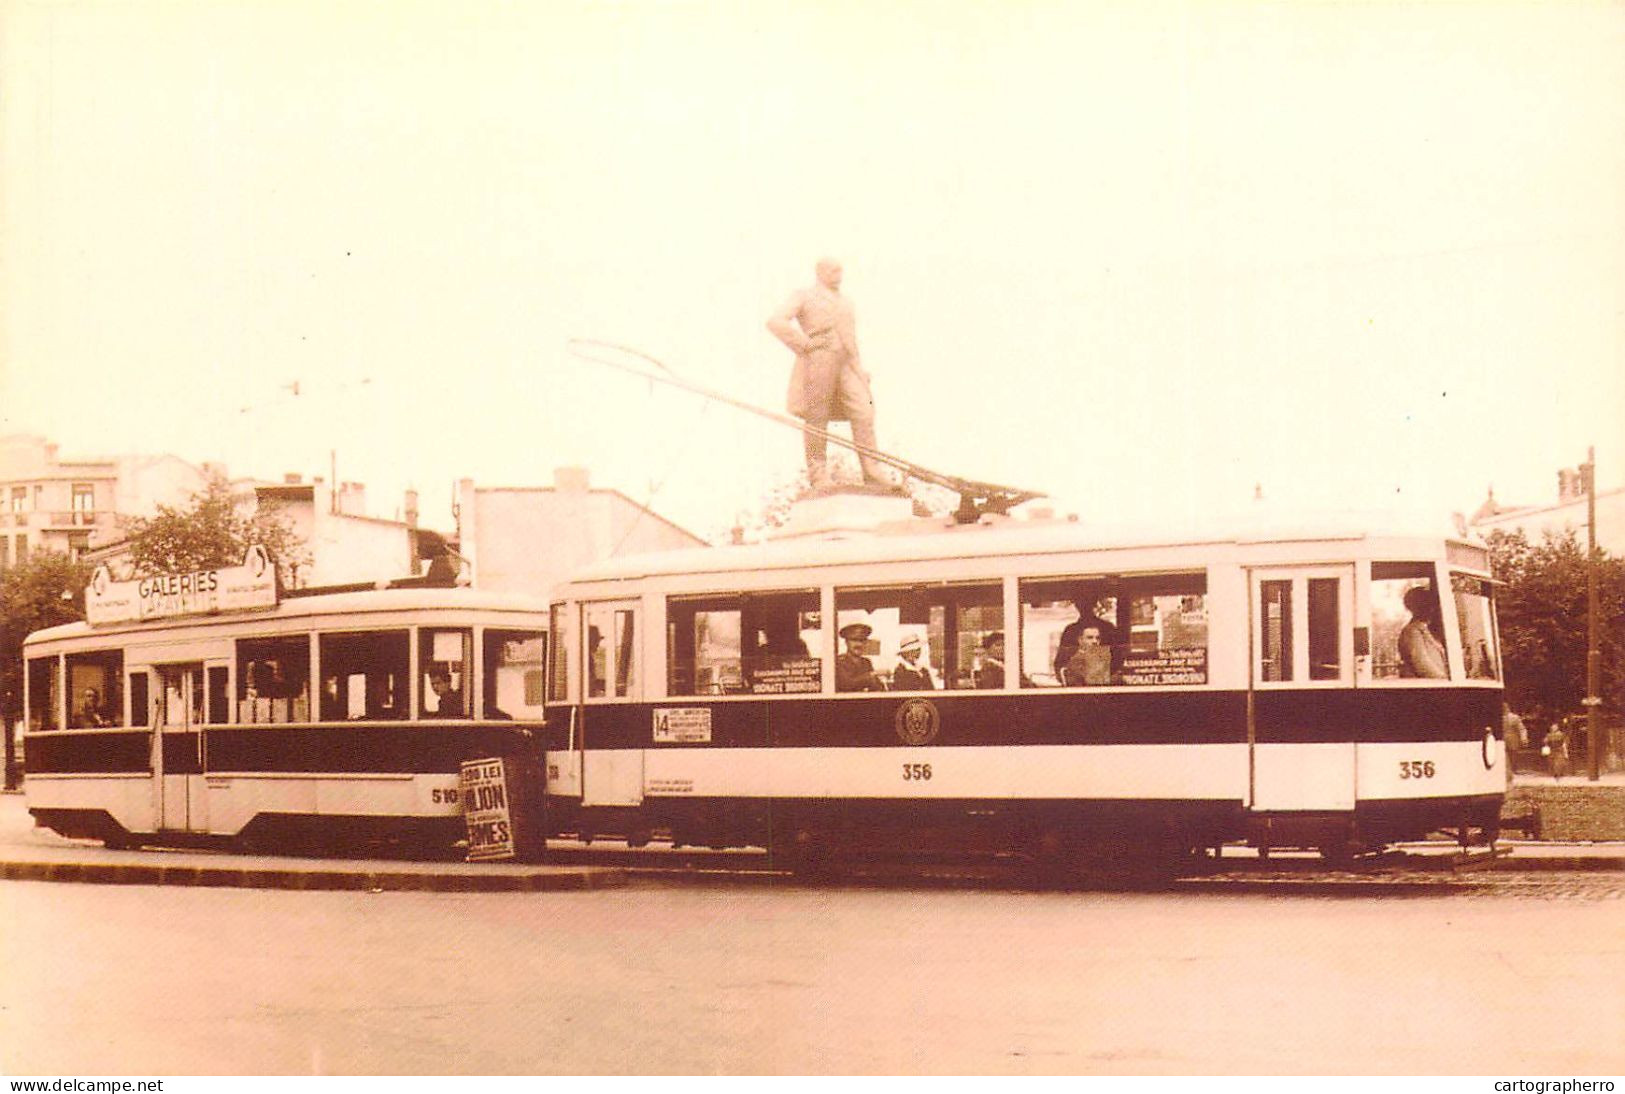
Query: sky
1146,258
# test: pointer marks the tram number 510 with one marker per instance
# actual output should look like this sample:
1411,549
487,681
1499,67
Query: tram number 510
1416,769
916,772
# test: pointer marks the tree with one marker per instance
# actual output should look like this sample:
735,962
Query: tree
209,534
1542,611
46,590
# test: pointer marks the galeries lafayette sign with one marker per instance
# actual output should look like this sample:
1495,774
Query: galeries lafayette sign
202,592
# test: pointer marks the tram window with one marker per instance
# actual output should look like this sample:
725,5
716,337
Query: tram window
1094,631
140,700
95,689
219,696
761,644
273,679
445,660
43,707
364,676
559,654
952,626
1325,650
1475,618
514,665
1391,584
625,653
611,651
1275,631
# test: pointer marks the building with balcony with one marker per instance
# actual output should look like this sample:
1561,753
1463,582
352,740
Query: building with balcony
48,503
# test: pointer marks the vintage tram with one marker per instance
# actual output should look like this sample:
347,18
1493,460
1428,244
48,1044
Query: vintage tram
922,687
208,708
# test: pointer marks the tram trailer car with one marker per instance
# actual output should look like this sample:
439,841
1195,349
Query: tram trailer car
320,722
1084,694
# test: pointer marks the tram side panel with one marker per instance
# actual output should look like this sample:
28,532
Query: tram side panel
1117,765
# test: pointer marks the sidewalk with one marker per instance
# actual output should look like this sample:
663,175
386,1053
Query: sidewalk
28,853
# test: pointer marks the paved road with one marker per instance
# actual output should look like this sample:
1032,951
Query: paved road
1517,975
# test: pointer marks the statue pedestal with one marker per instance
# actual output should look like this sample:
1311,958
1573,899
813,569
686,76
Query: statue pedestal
842,511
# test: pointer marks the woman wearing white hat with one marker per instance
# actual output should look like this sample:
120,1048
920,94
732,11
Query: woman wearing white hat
910,675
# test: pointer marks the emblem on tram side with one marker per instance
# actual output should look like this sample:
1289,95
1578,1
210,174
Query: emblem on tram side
917,722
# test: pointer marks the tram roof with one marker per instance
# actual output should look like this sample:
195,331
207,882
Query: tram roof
321,605
923,540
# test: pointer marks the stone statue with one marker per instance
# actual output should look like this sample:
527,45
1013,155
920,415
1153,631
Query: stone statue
828,382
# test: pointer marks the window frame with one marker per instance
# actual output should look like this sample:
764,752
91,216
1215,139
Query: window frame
1123,589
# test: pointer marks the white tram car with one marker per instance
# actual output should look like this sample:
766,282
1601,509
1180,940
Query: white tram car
1271,688
321,720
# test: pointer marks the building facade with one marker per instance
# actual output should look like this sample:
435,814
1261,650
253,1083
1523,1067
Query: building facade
51,504
1568,513
528,539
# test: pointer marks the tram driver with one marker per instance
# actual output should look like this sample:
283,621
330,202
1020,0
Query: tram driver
1421,653
450,703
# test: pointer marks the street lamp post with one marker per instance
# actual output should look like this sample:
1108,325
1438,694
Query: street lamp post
1593,701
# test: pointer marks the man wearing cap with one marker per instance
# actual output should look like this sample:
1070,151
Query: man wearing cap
828,382
853,671
910,675
990,674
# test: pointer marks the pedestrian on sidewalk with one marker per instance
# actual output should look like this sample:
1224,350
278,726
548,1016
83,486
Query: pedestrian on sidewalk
1556,751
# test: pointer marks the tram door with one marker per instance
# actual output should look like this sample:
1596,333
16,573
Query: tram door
1301,739
178,758
615,728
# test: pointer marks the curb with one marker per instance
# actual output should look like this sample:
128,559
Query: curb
257,877
1512,864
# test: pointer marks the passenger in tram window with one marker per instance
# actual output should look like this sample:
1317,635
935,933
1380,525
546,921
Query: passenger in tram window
990,673
1421,654
1090,664
780,642
89,714
910,674
597,664
1069,641
450,703
854,671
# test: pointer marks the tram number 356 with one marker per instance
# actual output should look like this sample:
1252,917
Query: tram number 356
916,772
1416,769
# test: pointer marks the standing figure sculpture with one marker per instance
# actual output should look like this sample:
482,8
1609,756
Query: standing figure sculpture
828,382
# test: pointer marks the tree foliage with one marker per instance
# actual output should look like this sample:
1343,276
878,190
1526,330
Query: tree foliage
46,590
211,533
1542,611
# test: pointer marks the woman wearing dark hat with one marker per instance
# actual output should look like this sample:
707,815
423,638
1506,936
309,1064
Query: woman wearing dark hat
990,673
853,671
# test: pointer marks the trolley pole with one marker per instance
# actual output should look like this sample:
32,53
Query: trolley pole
1593,701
